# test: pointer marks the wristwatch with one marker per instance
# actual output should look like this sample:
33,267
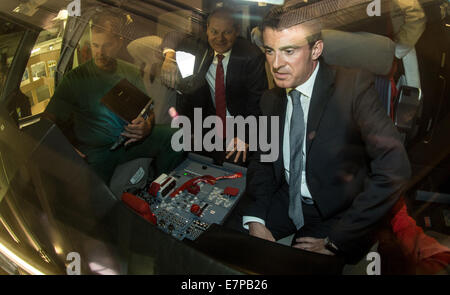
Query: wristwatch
329,245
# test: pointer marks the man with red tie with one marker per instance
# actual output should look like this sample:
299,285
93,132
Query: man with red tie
229,76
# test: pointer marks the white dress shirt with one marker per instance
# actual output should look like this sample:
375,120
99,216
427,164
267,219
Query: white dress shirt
306,90
211,75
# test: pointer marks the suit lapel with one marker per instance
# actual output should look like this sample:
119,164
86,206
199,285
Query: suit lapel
202,68
231,69
235,64
280,111
206,60
322,91
232,72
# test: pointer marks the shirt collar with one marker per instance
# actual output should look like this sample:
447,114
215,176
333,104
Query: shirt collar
224,54
307,87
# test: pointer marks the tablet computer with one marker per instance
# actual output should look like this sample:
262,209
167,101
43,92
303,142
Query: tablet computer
126,100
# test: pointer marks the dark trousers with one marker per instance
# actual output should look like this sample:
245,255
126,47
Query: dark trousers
278,221
156,145
280,225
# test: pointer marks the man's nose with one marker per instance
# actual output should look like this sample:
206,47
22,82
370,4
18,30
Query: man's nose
222,37
102,51
277,61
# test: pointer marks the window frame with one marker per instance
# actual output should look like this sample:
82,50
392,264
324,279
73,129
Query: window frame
20,59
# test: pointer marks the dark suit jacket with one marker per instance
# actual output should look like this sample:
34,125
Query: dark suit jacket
355,159
245,79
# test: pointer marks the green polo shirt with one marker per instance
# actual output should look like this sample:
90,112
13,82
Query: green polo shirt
78,97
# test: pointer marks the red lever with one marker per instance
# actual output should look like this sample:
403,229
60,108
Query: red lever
192,183
139,206
195,209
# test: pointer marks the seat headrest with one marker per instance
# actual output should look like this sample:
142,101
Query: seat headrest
371,52
145,49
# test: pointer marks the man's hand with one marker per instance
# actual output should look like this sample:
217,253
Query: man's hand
169,70
259,230
312,245
239,146
138,129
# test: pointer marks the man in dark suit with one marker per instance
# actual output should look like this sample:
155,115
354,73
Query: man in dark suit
229,73
341,160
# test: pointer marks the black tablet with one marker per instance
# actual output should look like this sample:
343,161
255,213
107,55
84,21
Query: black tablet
126,100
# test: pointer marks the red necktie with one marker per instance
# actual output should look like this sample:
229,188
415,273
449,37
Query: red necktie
221,104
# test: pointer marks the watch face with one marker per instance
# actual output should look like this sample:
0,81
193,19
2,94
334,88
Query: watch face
330,246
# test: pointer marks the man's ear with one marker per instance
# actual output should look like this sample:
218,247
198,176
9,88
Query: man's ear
317,50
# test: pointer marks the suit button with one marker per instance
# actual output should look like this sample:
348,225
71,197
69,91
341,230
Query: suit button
311,135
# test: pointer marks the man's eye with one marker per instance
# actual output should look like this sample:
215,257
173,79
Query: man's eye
269,51
289,51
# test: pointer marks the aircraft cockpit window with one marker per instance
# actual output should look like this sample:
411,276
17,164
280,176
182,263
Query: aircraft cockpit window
339,154
38,80
10,36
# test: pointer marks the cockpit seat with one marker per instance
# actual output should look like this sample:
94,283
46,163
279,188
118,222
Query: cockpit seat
131,176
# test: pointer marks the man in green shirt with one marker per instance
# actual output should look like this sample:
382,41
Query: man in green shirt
91,126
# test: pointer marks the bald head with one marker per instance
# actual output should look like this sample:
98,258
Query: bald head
222,30
224,13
